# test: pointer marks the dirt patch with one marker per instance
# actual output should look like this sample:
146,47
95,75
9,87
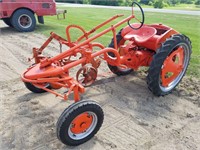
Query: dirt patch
134,118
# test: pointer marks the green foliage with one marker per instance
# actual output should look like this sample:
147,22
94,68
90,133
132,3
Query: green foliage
120,2
197,2
106,2
127,2
86,1
146,2
174,2
150,3
158,4
187,1
71,1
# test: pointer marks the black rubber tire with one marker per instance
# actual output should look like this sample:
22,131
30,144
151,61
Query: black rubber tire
7,21
115,69
70,113
16,24
34,89
153,77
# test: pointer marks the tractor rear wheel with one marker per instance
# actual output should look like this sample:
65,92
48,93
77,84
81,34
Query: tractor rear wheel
169,65
116,69
79,122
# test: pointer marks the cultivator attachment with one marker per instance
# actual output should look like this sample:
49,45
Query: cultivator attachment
54,71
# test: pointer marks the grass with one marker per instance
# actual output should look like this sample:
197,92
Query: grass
185,7
90,17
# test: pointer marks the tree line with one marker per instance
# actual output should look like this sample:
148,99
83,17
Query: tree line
154,3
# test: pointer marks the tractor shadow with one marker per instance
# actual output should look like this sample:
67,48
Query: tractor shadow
44,28
29,96
131,93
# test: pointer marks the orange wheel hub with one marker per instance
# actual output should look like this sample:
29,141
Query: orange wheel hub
172,66
81,123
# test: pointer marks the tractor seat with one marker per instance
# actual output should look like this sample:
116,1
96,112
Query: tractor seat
141,35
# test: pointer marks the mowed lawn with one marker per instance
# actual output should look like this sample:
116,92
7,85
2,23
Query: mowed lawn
90,17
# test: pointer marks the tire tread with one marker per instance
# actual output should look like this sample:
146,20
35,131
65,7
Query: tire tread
158,59
67,115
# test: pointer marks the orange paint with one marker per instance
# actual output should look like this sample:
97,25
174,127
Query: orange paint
138,52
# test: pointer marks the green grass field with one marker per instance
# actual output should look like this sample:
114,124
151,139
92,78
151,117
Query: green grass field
184,7
90,17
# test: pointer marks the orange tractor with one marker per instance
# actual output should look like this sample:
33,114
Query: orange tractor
164,50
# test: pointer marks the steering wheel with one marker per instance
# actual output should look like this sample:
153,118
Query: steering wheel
141,22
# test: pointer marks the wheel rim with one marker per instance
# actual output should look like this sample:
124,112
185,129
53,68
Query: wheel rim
83,125
174,67
25,21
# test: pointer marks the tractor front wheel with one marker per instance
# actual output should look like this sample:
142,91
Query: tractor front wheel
169,65
35,89
79,122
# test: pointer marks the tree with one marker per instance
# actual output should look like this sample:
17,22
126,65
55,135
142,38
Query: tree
107,2
146,2
174,2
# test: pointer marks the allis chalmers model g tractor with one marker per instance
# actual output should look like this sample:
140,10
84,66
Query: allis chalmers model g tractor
166,52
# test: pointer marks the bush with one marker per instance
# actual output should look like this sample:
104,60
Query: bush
158,4
86,1
127,2
146,2
150,3
187,1
174,2
197,2
166,5
71,1
107,2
